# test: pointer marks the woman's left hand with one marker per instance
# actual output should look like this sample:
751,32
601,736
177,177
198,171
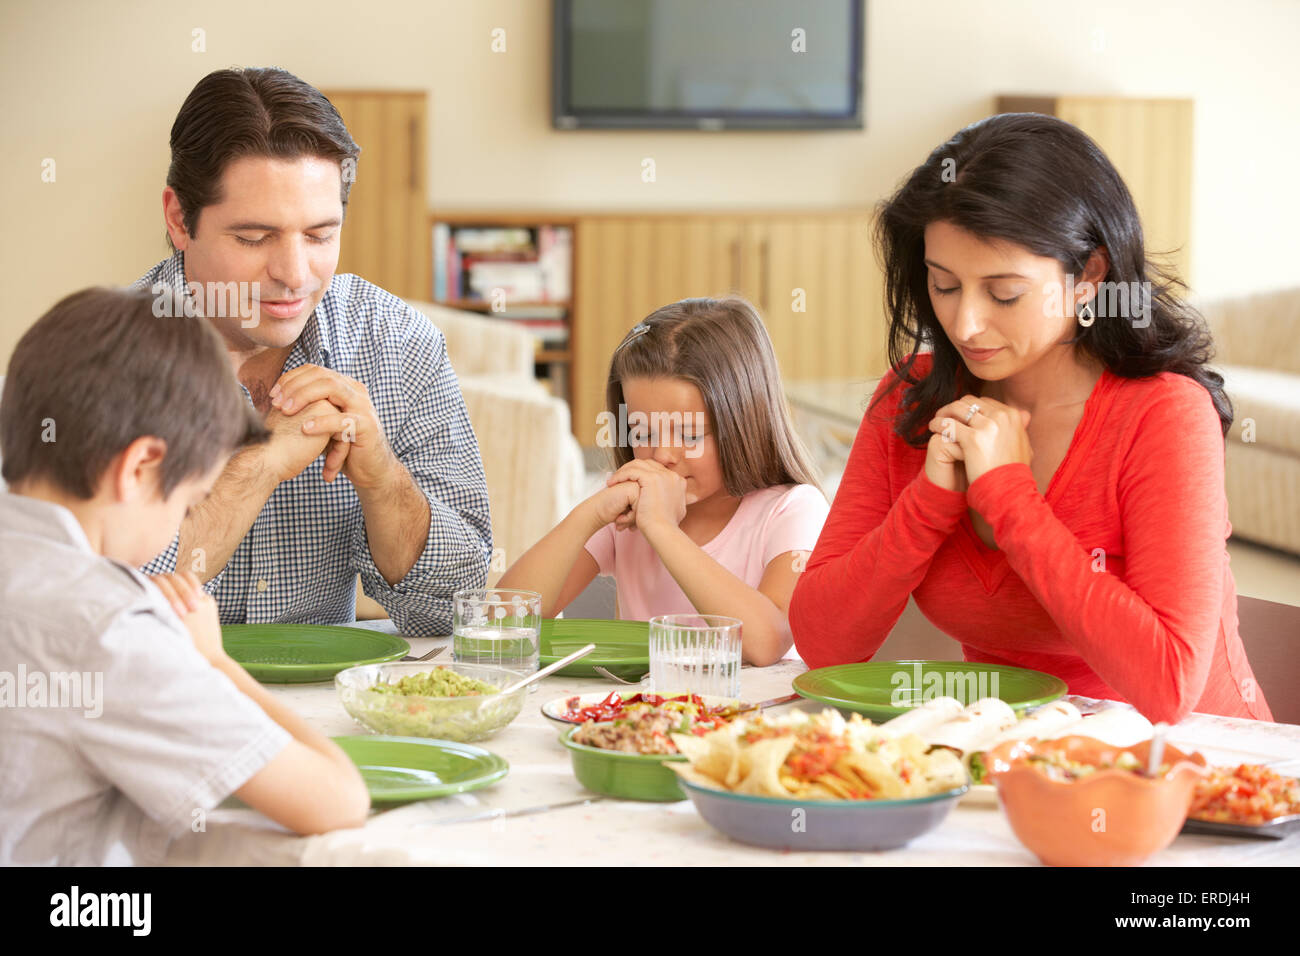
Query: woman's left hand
663,498
996,434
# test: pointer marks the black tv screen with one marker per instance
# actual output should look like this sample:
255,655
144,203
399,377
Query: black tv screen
707,64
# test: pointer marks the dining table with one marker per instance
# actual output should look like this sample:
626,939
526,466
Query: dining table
539,814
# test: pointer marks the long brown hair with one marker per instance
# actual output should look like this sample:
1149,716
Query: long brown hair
722,348
1043,184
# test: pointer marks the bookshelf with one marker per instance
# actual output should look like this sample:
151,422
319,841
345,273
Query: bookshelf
515,268
625,265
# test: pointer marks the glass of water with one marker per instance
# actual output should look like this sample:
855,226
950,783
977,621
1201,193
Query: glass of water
695,654
497,626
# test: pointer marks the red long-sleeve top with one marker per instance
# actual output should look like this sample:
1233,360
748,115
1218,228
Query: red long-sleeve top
1116,580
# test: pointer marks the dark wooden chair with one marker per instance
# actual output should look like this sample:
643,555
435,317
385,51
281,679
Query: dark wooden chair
1270,633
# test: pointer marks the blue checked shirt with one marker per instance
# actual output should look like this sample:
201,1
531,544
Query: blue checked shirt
299,561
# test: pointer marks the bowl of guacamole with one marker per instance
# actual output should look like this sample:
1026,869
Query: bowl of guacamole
460,702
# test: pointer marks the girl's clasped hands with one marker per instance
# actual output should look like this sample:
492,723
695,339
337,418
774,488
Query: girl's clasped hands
651,496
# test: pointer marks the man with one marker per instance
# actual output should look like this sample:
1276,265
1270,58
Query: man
372,466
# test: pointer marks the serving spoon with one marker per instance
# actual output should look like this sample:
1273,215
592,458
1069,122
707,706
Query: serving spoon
549,669
1157,748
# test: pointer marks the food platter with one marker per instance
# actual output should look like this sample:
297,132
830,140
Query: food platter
562,709
1246,800
1278,829
884,782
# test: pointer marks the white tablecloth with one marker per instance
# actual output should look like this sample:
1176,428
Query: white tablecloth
617,831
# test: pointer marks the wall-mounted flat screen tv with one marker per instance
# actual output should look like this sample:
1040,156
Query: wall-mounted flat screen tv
708,64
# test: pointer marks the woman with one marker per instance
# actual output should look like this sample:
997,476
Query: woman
1048,480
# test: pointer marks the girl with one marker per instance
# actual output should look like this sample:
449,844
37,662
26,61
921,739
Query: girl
712,507
1048,480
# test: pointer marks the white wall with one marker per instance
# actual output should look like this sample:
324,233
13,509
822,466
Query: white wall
96,85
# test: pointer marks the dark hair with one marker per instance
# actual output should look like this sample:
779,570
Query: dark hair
1042,184
100,370
259,111
722,348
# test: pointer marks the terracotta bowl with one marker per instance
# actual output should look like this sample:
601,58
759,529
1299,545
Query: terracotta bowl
1108,818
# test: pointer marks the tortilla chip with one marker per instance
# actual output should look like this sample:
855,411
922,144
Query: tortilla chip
712,755
838,789
818,791
766,758
876,774
687,772
742,761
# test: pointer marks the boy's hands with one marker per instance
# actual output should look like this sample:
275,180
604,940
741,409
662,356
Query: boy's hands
662,498
196,609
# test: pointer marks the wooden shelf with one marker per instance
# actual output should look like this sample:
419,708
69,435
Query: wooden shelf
553,365
482,305
502,217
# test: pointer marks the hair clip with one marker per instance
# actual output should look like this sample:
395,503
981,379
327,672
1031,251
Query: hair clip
637,331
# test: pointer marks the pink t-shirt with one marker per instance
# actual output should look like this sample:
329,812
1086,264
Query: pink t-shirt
767,523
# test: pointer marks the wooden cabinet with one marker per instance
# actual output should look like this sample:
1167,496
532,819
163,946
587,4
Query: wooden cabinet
385,236
1150,142
817,286
812,277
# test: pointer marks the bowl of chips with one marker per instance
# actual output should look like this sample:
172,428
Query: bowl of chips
814,782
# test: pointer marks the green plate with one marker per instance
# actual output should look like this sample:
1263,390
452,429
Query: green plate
402,769
625,776
302,653
622,647
875,688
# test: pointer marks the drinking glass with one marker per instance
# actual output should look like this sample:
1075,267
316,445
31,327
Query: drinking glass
498,626
695,654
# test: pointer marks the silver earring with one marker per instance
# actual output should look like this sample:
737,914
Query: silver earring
1086,315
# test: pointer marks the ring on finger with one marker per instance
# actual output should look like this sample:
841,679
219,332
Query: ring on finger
974,409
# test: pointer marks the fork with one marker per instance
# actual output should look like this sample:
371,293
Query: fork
610,675
427,657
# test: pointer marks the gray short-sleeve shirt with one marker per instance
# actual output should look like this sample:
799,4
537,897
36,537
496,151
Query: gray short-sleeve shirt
115,733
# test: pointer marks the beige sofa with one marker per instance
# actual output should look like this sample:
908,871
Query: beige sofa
1257,350
532,462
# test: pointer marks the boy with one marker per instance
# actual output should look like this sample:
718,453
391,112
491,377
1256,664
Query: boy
121,717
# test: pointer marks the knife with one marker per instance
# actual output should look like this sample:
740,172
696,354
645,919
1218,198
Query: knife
775,701
499,813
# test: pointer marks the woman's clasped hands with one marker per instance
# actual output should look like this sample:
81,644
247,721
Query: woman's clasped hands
972,436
